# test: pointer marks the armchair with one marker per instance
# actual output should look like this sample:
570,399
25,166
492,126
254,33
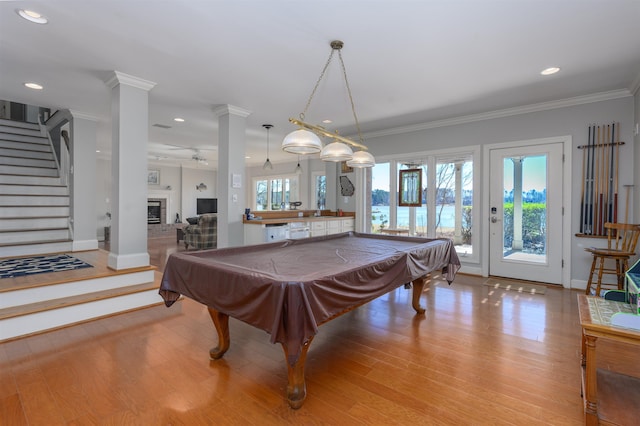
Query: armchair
204,235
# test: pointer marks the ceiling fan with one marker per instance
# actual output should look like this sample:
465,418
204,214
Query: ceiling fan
197,155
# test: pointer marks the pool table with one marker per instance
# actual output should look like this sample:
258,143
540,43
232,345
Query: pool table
289,288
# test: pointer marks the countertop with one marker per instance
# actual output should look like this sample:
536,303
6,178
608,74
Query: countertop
294,219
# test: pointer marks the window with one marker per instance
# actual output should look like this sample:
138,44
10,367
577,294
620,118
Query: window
319,191
446,206
275,193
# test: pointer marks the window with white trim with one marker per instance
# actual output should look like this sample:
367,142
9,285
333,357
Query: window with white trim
275,192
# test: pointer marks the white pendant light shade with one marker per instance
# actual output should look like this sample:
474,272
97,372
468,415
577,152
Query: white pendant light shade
361,159
302,141
336,151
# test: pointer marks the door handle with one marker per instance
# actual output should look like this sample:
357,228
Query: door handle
494,219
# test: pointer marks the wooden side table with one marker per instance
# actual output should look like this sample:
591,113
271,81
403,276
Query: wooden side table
619,404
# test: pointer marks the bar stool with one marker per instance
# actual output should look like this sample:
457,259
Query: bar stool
621,245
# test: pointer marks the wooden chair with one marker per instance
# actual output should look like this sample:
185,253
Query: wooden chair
621,245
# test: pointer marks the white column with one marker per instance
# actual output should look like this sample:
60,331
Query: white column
517,204
231,182
130,135
83,181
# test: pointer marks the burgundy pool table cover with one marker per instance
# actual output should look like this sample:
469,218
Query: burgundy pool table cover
288,288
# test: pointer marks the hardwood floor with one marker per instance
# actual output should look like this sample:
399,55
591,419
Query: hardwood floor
478,356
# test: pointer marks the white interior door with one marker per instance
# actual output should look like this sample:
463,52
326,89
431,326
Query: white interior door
525,218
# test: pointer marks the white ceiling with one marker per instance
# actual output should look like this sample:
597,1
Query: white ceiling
408,62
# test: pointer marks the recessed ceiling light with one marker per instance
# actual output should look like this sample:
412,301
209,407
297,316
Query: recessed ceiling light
179,120
247,157
327,121
32,16
35,86
97,150
550,70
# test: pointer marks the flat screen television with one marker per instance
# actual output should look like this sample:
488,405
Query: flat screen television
206,205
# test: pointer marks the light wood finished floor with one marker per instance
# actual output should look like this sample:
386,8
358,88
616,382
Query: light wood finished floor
479,356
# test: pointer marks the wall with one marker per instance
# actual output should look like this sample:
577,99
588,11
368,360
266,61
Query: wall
179,181
573,121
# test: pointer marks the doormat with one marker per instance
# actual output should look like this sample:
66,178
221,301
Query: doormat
515,286
23,266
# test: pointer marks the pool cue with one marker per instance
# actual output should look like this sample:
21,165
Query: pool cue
611,173
596,178
589,214
605,175
615,183
602,182
582,200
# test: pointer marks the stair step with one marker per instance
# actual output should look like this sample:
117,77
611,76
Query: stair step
26,290
28,162
36,248
17,237
15,311
33,211
33,223
27,190
29,171
33,200
30,180
8,124
22,153
24,146
38,139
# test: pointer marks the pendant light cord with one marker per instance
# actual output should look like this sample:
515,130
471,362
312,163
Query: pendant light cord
335,45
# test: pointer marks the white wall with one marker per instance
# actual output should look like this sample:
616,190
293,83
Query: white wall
573,121
181,181
190,179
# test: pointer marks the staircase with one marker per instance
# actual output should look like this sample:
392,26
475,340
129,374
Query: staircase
34,219
34,202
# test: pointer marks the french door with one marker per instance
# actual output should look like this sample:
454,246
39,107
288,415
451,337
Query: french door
525,217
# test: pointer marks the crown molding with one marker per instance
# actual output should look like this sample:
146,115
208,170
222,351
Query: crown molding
122,78
635,85
525,109
83,116
231,110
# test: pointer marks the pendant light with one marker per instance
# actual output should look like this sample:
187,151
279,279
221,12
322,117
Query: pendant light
298,169
267,164
305,139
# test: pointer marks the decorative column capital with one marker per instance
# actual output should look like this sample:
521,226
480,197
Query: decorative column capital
129,80
230,110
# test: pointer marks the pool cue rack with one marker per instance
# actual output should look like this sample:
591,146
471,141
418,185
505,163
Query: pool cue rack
600,164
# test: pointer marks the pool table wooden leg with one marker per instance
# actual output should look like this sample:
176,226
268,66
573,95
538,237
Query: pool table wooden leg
221,321
418,285
296,388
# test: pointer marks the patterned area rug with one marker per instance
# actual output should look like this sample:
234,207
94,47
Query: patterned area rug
516,286
18,267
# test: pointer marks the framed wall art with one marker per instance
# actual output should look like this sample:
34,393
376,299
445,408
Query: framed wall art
410,190
153,177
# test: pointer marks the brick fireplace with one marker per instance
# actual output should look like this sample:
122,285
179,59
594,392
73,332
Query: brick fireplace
156,211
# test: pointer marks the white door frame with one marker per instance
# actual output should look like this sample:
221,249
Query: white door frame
567,145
